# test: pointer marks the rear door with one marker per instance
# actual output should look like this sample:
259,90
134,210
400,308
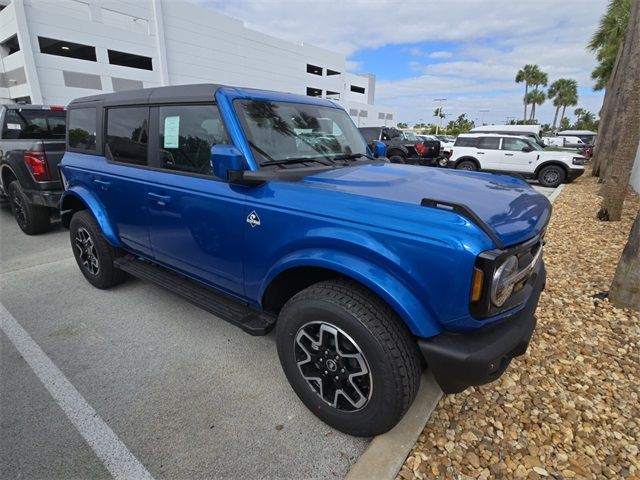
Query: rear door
514,159
196,220
488,153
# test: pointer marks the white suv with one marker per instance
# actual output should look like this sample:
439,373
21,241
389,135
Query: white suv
517,155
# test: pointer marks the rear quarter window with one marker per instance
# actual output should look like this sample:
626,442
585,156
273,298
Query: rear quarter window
466,142
82,128
31,124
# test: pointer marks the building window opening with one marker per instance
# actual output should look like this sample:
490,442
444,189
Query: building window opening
314,92
333,95
357,89
314,69
129,60
61,48
332,72
9,46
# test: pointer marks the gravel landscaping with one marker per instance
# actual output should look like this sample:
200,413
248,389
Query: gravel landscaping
569,407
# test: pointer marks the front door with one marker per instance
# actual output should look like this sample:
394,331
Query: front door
196,221
488,153
514,159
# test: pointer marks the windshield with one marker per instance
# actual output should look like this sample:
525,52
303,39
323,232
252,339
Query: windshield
281,131
534,144
412,137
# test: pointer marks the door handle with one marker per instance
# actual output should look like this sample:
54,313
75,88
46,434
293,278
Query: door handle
508,154
103,185
160,199
480,153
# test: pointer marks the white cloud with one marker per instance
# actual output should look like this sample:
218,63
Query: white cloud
493,39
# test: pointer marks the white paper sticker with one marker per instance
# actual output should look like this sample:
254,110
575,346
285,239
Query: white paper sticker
14,126
171,132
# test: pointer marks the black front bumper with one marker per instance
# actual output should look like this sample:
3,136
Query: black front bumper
574,173
44,198
458,361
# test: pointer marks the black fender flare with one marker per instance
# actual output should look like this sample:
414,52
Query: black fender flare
473,159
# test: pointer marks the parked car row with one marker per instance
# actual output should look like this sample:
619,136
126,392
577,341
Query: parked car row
269,210
403,146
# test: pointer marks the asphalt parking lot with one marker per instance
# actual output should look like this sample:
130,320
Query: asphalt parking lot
189,395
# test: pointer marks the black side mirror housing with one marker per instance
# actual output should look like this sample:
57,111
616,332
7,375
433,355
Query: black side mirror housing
527,149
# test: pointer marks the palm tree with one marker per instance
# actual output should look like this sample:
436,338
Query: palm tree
535,97
530,75
607,39
564,92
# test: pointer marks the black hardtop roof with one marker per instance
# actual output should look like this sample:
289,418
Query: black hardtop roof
199,92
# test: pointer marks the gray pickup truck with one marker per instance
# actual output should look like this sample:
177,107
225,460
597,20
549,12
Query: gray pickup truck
32,142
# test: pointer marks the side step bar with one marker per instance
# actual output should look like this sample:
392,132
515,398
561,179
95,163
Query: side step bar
233,311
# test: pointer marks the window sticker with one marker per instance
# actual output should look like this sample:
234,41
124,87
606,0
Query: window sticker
14,126
171,132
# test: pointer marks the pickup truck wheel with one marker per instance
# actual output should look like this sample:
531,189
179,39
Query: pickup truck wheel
348,357
551,176
397,159
31,219
93,253
467,165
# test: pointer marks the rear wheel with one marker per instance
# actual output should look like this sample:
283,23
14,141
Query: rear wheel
468,165
397,159
93,253
32,219
348,357
551,176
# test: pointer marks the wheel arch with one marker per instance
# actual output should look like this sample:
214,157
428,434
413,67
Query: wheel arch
79,198
7,175
548,163
471,159
304,269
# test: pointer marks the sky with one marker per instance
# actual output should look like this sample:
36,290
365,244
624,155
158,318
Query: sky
467,51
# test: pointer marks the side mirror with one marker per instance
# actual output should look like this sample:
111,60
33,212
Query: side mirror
379,149
226,159
527,149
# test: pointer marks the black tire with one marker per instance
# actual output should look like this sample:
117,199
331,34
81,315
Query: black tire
31,219
551,176
468,165
93,253
364,324
397,159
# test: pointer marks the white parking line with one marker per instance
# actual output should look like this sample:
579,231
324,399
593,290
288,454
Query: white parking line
115,456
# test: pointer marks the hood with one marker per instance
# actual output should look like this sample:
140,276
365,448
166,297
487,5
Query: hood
512,210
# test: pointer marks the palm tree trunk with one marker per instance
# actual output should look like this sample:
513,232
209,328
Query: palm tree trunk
526,91
555,117
626,119
625,288
564,109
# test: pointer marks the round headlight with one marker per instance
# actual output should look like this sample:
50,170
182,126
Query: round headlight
501,287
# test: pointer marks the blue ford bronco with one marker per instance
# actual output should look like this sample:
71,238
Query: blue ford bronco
269,209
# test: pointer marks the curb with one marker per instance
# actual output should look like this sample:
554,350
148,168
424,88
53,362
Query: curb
556,192
386,453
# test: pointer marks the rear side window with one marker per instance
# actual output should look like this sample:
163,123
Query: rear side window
128,134
489,143
187,133
30,124
82,128
466,142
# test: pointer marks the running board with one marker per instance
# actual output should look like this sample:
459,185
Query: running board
233,311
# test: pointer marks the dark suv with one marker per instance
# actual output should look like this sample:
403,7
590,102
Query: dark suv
403,147
31,146
268,209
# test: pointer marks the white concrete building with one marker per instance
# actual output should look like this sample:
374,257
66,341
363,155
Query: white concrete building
53,51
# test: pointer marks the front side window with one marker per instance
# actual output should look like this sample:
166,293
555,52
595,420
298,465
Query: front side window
489,143
280,132
514,144
127,134
187,133
82,128
33,124
370,134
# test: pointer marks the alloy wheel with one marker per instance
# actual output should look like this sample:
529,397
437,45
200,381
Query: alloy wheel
333,366
18,209
87,251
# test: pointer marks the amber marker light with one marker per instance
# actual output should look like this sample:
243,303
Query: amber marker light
476,290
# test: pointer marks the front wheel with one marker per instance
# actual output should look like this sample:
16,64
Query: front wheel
468,165
93,253
348,357
551,176
397,159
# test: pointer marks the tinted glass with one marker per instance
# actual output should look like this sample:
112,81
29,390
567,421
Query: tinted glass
82,128
33,124
515,144
187,134
370,134
489,143
466,142
127,134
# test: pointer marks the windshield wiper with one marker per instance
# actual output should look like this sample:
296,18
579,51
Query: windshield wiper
353,156
293,160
